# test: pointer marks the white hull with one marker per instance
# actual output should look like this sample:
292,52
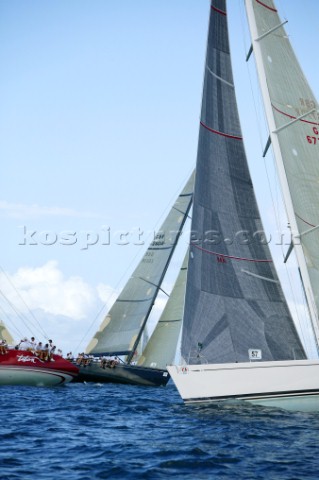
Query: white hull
293,385
38,377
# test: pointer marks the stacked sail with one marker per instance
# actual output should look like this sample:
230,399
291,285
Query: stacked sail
122,328
293,118
234,303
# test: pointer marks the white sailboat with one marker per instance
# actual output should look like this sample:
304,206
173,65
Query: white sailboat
120,333
239,340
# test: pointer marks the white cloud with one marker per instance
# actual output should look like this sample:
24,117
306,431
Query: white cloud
64,307
46,288
22,211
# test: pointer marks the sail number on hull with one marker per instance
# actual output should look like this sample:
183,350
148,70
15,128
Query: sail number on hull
254,354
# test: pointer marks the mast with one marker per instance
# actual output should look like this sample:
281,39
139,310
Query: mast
158,287
292,116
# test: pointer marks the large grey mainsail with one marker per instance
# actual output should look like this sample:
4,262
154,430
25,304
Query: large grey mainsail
234,303
122,327
293,118
161,347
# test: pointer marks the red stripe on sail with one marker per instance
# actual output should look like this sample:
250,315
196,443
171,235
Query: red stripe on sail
231,256
218,10
266,6
310,224
291,116
220,133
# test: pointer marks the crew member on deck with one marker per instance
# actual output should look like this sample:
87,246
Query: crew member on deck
3,347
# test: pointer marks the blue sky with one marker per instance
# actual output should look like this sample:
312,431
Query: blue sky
99,116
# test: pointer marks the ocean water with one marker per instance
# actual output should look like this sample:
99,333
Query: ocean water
92,431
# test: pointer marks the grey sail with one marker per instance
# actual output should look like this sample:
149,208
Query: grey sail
161,347
234,302
293,117
121,330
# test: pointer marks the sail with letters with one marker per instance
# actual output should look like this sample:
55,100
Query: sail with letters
239,340
121,331
293,120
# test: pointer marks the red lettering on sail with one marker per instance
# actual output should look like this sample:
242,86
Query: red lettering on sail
221,259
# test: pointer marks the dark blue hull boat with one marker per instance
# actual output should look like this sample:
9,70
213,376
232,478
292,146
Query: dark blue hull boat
123,373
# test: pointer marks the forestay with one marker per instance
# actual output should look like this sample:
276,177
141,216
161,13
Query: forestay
121,329
234,303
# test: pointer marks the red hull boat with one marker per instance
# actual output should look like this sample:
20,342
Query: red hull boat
20,367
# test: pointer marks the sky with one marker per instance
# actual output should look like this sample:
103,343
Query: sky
100,104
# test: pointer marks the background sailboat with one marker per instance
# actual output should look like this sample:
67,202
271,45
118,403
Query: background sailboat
239,340
20,363
21,367
120,333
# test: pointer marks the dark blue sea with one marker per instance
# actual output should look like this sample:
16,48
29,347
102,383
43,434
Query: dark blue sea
92,431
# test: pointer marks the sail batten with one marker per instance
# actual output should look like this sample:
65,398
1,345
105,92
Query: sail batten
270,31
133,300
219,78
301,117
170,321
123,326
